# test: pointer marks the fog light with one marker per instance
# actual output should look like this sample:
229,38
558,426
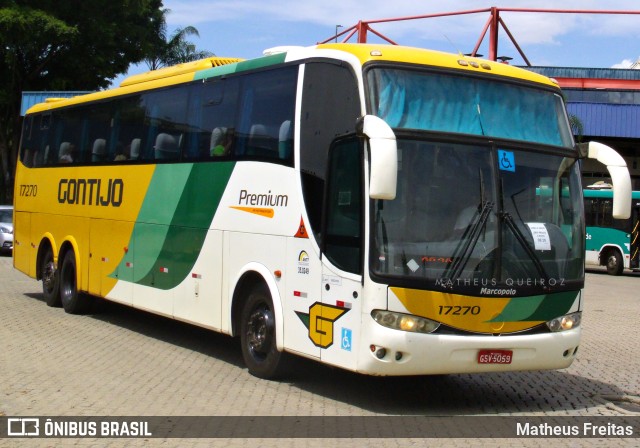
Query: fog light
398,356
381,353
565,323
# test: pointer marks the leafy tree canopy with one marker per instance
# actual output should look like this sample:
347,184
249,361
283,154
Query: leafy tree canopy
66,45
75,45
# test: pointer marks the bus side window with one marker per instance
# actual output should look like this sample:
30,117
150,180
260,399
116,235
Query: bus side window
166,120
217,117
128,128
29,149
41,139
97,141
268,101
590,211
72,142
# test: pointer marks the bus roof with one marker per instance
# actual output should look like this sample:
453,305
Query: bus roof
396,53
211,67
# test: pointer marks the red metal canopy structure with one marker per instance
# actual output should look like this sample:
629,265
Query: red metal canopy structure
362,28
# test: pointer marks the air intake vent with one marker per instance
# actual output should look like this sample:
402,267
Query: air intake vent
180,69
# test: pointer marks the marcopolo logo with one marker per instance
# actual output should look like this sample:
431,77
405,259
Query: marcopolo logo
100,192
498,292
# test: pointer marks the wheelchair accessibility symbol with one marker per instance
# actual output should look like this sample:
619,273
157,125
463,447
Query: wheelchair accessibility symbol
506,160
346,339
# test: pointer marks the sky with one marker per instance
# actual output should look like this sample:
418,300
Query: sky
245,28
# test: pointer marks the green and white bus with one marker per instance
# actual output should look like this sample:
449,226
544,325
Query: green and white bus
371,207
614,243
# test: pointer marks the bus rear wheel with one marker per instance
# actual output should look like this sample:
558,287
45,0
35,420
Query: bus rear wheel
258,336
614,262
49,274
73,301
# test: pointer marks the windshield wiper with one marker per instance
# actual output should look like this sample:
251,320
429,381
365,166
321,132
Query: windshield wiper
506,217
468,242
464,249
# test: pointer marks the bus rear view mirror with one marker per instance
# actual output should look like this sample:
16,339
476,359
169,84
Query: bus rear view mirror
384,156
619,173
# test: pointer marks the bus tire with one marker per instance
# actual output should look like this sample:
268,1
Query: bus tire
258,335
50,278
73,302
614,262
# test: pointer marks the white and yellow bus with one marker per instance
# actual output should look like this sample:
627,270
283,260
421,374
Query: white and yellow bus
371,207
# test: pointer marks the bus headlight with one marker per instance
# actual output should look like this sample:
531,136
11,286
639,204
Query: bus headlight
404,322
564,323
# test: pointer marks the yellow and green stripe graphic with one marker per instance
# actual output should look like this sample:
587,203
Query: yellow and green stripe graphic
486,314
172,224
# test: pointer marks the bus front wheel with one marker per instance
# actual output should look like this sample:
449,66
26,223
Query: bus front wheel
614,262
258,335
49,274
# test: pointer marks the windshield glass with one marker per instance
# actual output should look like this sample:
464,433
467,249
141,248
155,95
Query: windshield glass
430,101
480,218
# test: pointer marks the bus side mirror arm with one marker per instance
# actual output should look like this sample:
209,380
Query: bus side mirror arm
384,156
618,171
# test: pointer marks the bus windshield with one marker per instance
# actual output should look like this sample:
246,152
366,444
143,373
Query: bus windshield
475,213
431,101
477,218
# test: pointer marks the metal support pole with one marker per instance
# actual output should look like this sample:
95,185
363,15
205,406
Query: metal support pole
493,34
362,32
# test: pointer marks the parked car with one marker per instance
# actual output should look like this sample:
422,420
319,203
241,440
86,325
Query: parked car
6,228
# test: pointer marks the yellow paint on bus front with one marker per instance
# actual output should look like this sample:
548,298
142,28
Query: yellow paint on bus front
467,313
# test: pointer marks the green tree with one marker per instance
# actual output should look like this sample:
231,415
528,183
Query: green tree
65,45
174,49
181,50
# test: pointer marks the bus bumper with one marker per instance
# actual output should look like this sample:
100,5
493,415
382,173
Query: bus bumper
408,353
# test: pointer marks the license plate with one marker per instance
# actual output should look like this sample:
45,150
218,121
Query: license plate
495,356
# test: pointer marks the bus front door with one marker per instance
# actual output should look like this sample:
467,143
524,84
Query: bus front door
342,261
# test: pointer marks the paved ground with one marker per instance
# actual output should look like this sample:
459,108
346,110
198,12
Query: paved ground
126,362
